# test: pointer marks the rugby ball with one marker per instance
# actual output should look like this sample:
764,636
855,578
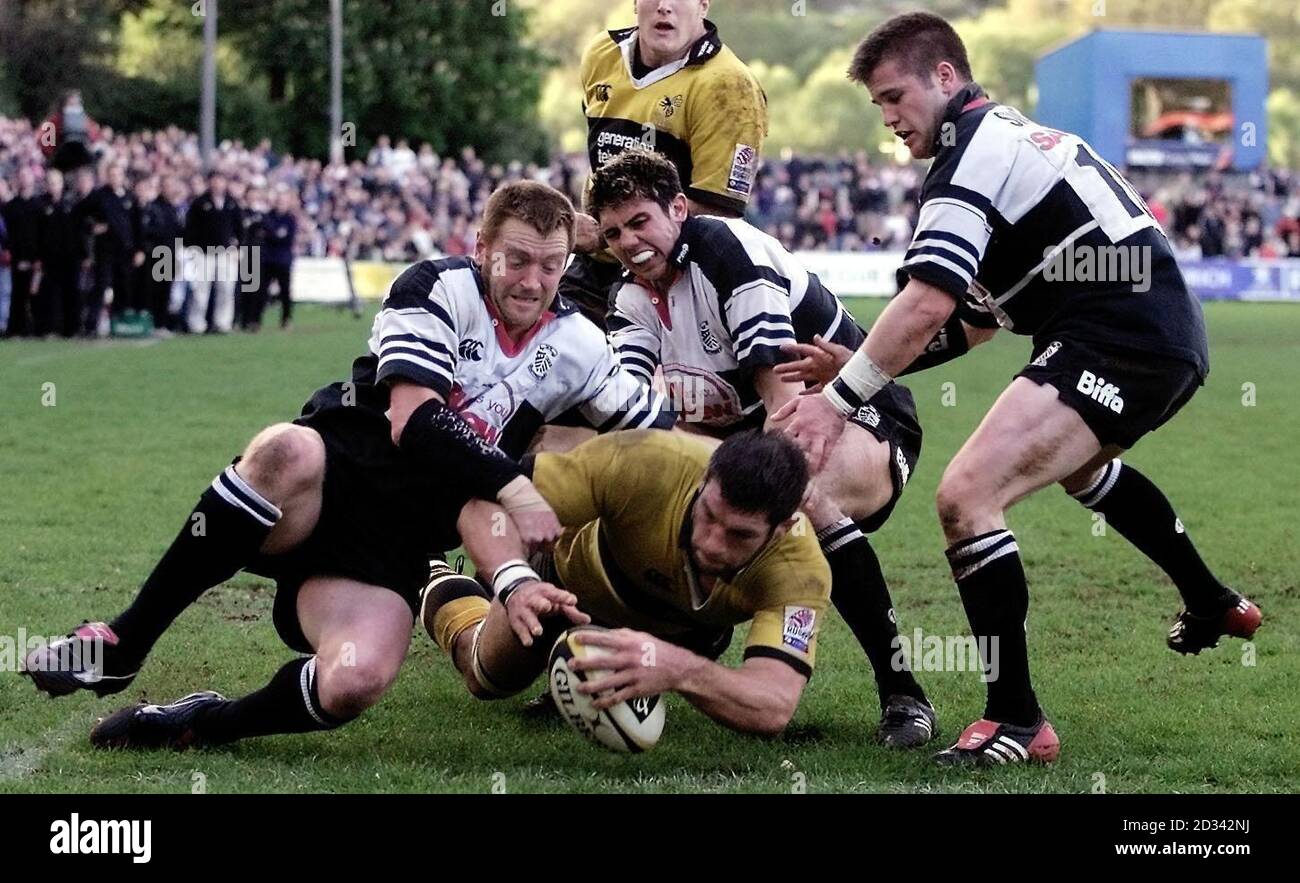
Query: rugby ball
629,727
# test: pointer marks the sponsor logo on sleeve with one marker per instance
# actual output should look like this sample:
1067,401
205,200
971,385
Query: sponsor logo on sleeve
904,471
744,166
868,415
798,631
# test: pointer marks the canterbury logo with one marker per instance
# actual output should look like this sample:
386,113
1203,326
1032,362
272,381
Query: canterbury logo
1101,392
1052,349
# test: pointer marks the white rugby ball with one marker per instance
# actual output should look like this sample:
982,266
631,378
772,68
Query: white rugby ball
629,727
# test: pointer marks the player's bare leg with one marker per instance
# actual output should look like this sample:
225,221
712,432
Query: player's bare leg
268,502
856,483
360,633
857,474
1028,440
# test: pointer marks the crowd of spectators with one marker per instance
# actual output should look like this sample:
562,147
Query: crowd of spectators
71,239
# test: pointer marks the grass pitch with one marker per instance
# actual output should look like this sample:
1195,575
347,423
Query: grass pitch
104,448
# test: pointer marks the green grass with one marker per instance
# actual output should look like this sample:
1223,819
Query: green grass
93,488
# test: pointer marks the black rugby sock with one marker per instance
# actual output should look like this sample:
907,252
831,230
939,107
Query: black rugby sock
994,592
290,703
220,537
860,594
1136,508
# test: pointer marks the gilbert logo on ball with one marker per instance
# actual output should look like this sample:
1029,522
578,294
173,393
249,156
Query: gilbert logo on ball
628,727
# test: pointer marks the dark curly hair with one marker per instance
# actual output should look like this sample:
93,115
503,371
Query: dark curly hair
633,174
762,472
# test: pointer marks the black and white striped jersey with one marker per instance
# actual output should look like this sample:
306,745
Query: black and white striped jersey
438,328
739,295
1031,230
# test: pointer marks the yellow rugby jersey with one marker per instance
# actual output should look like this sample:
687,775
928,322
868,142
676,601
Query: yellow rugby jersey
624,499
706,112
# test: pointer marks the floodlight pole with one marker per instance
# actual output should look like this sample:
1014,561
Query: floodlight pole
208,99
336,81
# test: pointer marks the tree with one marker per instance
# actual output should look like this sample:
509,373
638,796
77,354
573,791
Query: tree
51,46
1276,19
1004,44
451,74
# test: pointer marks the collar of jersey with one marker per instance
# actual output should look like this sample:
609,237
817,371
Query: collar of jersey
681,254
508,346
971,97
702,50
679,257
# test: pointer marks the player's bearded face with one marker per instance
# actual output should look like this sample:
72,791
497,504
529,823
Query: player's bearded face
641,234
723,538
912,106
522,268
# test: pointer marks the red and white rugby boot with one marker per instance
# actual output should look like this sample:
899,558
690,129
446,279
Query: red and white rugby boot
1192,634
989,743
87,658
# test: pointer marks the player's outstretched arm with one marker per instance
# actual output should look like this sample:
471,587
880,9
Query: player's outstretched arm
774,388
758,697
496,548
901,334
907,326
818,362
440,441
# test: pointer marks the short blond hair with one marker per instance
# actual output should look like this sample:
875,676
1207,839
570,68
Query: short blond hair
541,207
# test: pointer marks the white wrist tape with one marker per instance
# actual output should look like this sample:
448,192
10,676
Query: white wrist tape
521,496
858,381
509,575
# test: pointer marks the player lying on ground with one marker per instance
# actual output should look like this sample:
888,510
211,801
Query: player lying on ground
711,302
1113,359
672,544
344,506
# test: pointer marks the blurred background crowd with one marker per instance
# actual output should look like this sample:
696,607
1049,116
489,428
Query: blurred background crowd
71,237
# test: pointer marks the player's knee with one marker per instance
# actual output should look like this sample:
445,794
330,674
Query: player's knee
348,690
284,459
957,499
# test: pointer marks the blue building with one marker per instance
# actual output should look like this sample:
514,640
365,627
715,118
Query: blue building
1145,98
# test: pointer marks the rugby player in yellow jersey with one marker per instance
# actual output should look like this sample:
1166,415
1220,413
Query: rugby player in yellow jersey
670,543
670,85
